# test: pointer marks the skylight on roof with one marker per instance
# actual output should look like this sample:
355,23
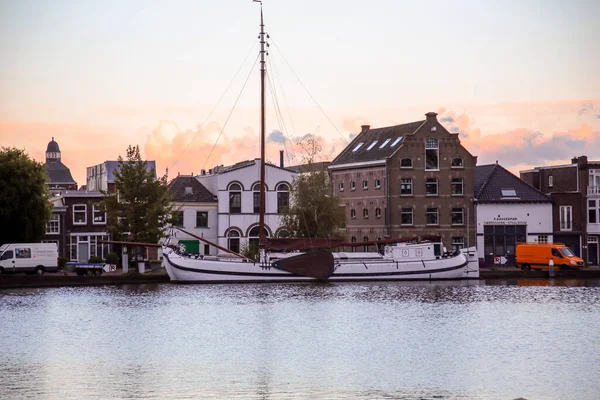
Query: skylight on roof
398,140
384,143
371,145
509,192
358,146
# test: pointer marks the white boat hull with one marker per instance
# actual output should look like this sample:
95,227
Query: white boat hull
191,270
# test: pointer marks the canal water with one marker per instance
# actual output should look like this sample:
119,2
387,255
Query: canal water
494,340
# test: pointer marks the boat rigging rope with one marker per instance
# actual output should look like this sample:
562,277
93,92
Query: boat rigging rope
231,112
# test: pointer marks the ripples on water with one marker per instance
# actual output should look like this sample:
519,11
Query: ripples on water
289,341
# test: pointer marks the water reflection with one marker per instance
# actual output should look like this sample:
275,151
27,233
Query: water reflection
407,340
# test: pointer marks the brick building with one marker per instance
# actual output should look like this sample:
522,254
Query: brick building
575,192
407,180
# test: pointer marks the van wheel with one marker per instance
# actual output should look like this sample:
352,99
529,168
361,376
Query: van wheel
39,271
526,267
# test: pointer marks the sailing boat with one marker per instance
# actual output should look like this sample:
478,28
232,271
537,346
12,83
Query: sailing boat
305,260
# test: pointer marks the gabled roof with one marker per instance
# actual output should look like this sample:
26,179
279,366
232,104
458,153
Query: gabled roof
495,184
372,140
223,169
58,172
197,194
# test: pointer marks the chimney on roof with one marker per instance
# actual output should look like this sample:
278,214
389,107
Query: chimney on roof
364,128
202,172
281,158
574,160
431,116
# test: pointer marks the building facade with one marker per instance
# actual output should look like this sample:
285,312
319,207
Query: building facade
575,192
78,225
237,189
405,181
59,175
508,211
197,212
102,176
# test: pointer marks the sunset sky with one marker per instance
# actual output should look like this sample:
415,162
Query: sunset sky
519,80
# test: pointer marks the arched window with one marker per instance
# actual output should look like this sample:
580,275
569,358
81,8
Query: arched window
233,240
283,197
235,198
256,197
457,162
406,163
253,236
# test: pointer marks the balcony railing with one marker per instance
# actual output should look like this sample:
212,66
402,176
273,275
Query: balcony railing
594,190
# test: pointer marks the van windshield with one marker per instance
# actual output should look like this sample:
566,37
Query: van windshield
566,252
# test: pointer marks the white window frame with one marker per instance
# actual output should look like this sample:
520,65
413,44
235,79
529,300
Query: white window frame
377,183
458,242
437,187
365,184
406,166
341,187
352,185
405,211
84,211
54,222
353,213
436,213
565,214
96,209
378,212
456,212
365,213
432,144
595,208
459,182
409,181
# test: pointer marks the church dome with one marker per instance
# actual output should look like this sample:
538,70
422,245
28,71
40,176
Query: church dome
52,147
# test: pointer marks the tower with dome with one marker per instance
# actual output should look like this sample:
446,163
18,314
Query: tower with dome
59,175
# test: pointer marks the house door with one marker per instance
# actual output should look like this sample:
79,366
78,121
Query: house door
83,250
592,250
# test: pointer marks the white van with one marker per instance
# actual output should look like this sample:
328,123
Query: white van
28,257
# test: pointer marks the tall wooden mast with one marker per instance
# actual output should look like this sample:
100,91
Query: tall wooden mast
263,71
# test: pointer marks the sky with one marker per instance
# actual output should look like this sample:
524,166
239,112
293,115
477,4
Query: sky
518,80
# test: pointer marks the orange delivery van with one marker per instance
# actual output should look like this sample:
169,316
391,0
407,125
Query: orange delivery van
538,256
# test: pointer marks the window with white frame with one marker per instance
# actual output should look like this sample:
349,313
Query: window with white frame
406,163
99,214
431,187
378,212
458,216
341,186
377,184
283,197
352,185
406,187
235,198
53,226
365,213
256,198
456,187
433,217
593,211
352,213
458,242
406,216
566,218
457,162
79,214
365,184
432,154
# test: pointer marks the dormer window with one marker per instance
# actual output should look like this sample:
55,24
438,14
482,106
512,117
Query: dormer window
188,190
384,143
358,146
509,193
457,162
398,140
372,145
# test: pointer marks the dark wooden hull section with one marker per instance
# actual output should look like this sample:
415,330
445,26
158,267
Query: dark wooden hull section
316,264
